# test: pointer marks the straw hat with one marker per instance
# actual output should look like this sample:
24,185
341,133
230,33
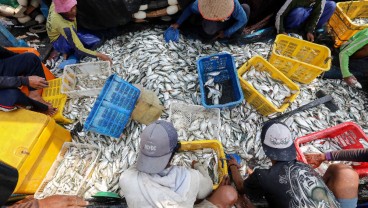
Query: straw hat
216,10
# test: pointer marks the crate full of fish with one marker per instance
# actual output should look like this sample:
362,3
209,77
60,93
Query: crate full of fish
70,171
53,95
208,152
218,83
349,18
347,135
113,107
85,79
266,88
300,60
194,122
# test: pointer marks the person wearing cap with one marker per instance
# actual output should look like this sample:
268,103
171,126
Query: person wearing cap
61,28
288,182
304,15
153,182
221,18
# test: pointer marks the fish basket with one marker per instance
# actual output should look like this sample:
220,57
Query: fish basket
341,25
225,65
53,95
183,115
113,107
81,173
76,75
300,60
255,98
217,147
347,135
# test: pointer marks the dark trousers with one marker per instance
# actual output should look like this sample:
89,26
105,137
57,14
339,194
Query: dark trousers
88,40
297,17
26,64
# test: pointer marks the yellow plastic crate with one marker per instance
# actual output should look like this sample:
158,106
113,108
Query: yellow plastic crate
31,142
53,95
217,147
256,99
300,60
340,24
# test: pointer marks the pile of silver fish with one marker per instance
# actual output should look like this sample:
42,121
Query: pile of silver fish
360,21
195,122
142,57
214,89
207,157
273,90
72,171
86,81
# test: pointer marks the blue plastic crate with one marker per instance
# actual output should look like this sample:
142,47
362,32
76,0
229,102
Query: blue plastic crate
232,94
113,107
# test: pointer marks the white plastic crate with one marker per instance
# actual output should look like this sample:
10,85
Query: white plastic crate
184,116
85,79
57,180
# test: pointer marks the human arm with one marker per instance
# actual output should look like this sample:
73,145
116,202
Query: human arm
281,14
191,9
13,82
5,53
205,182
235,173
355,44
313,19
241,19
355,155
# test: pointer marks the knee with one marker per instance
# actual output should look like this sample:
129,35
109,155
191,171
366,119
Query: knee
31,58
246,9
345,172
330,5
225,196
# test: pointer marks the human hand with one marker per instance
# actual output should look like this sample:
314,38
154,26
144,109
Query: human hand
310,37
220,35
232,162
104,57
175,25
37,82
61,201
352,82
315,159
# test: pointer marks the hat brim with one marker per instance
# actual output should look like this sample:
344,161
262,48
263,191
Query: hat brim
286,154
149,164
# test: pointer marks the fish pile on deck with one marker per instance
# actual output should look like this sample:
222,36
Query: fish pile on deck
206,156
273,90
360,21
169,69
72,171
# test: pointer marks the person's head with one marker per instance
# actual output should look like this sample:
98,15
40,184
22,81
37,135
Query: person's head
216,10
159,141
66,8
277,142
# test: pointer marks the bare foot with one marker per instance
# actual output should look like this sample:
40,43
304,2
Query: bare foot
50,111
36,95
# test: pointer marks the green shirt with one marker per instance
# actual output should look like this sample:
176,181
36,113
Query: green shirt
56,25
358,41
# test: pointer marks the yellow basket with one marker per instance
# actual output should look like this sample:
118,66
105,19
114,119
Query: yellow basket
53,95
256,99
213,144
340,23
300,60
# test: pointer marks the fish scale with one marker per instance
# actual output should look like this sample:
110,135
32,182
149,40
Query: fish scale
131,50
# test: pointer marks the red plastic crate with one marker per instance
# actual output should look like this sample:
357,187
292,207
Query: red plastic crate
347,135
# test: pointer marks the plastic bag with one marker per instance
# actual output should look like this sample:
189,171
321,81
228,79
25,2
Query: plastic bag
99,15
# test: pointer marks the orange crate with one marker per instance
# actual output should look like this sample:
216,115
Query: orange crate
347,135
340,24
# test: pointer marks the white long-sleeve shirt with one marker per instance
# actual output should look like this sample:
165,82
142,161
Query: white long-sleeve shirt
175,187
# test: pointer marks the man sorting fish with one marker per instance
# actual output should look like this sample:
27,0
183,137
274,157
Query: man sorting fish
353,59
62,30
289,183
220,18
18,70
153,182
304,16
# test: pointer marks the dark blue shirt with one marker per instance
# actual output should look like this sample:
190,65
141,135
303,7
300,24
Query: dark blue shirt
238,14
